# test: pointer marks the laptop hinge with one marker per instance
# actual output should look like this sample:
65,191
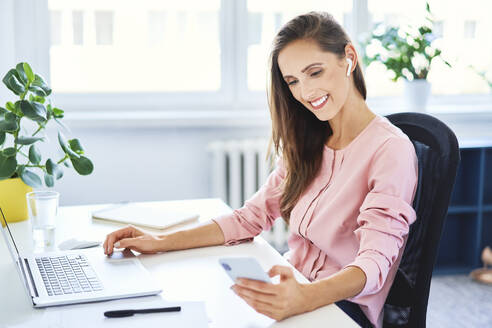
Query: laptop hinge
29,278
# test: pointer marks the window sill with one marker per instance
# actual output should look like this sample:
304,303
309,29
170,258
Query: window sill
470,117
188,118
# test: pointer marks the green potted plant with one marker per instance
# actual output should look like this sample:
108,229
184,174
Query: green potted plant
408,53
22,123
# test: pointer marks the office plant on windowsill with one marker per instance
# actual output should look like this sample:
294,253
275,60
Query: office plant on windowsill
408,53
22,166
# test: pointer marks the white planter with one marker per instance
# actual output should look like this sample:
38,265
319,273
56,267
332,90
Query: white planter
416,94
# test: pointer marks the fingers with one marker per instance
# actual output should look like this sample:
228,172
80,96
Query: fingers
127,243
253,294
256,285
284,271
259,304
142,244
115,236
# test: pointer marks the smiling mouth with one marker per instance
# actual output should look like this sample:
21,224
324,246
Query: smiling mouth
320,102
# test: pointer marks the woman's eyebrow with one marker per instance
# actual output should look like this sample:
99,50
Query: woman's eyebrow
304,69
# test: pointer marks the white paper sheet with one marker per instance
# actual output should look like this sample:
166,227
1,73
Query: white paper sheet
192,314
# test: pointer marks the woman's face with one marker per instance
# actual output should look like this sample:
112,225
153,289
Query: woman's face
317,79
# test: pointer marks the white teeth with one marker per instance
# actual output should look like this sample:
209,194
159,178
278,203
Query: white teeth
320,101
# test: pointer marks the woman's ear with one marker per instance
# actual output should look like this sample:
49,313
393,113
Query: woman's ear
350,57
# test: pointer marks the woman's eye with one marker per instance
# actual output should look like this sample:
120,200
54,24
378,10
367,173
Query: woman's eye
316,73
292,82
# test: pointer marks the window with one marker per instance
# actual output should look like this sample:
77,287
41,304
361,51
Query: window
104,27
135,46
469,31
78,27
157,28
56,23
214,53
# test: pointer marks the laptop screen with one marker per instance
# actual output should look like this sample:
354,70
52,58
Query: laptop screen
9,240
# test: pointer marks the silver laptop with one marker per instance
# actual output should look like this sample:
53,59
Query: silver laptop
68,277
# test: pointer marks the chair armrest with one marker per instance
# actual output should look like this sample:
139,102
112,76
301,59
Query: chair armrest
401,292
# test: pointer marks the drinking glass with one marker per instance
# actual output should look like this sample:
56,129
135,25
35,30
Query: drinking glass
43,208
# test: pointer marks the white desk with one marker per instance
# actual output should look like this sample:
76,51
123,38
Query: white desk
190,275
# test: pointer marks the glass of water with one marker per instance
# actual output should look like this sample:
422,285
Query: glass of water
43,208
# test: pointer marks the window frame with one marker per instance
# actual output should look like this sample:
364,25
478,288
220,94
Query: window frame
234,93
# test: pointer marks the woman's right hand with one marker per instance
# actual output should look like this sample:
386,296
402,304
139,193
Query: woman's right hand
133,238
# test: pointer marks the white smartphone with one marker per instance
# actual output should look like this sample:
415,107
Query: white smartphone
244,267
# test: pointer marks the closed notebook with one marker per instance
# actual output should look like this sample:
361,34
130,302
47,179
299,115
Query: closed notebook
158,215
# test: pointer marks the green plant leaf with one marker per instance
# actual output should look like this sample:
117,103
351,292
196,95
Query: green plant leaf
39,82
3,111
65,147
39,99
28,71
8,126
58,113
34,154
82,165
16,86
76,146
33,110
19,169
38,91
7,77
10,117
30,178
10,106
9,152
49,180
7,166
27,140
54,169
21,74
2,138
17,109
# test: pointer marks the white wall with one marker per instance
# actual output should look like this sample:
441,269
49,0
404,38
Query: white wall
140,164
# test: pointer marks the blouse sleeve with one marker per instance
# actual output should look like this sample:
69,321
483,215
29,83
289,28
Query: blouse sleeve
258,213
386,213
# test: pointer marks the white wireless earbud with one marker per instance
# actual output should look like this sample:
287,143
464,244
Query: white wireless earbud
349,69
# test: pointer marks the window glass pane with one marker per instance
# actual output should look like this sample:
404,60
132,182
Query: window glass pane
78,27
134,46
264,20
104,27
463,34
56,21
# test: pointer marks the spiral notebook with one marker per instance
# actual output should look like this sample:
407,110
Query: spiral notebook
158,215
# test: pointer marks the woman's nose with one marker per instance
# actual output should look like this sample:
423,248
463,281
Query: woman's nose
307,92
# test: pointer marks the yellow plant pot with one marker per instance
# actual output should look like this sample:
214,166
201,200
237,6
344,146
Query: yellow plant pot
13,199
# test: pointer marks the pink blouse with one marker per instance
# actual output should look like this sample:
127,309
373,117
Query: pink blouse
356,212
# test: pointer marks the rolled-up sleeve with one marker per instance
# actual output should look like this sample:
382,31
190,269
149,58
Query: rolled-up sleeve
386,212
258,213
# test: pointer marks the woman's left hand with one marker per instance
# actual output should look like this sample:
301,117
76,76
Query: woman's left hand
277,301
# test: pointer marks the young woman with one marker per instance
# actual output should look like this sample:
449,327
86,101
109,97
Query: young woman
345,182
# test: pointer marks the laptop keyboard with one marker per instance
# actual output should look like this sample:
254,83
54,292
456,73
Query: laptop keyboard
69,274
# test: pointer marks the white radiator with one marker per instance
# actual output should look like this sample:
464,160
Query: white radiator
239,169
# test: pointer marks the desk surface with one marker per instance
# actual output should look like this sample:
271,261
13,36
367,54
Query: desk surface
189,275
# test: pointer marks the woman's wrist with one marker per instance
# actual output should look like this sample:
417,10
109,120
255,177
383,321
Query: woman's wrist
163,243
316,295
342,285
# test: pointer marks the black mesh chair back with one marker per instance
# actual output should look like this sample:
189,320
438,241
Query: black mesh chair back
438,155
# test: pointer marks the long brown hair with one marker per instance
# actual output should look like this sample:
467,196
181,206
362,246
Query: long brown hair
293,126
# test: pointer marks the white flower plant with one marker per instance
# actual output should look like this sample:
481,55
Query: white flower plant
408,53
